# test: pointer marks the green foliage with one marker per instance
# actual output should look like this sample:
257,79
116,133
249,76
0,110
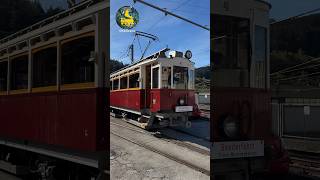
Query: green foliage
116,65
18,14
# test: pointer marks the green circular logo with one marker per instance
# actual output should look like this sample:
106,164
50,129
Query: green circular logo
127,17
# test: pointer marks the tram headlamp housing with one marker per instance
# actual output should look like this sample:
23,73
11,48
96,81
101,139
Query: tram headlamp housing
231,127
181,101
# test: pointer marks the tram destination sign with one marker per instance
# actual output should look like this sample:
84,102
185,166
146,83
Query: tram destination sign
237,149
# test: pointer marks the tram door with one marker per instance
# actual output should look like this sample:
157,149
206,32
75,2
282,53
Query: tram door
148,87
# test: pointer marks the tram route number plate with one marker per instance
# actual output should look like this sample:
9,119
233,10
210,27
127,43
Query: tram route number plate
184,108
237,149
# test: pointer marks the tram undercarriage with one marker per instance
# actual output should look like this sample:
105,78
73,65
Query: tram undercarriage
148,121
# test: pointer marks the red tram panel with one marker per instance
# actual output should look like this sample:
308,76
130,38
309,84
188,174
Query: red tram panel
70,119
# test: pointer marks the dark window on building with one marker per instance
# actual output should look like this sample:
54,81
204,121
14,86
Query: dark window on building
124,82
134,80
155,77
116,84
45,67
19,73
3,75
76,66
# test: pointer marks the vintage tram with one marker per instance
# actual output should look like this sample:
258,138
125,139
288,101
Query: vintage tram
243,143
157,91
53,95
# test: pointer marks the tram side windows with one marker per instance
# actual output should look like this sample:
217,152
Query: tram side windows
155,78
115,84
19,73
3,75
45,68
124,82
260,44
166,77
231,56
134,80
191,79
180,77
75,63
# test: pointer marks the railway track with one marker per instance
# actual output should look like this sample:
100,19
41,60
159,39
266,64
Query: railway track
204,171
162,153
305,164
169,138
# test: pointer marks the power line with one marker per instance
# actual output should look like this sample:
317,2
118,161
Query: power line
297,77
297,16
176,8
172,14
289,68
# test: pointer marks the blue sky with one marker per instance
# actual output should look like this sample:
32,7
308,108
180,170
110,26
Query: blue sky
172,32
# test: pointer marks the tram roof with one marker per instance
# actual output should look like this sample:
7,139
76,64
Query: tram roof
63,14
159,54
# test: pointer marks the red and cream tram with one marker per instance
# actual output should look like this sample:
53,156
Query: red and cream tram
157,91
243,143
53,122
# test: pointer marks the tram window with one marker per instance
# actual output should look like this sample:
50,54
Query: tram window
124,82
191,78
155,78
111,82
180,77
45,67
75,64
231,43
116,84
3,75
260,43
19,73
134,80
166,77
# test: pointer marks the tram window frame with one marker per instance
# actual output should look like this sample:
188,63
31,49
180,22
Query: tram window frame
115,85
191,79
166,77
232,39
185,75
260,49
24,70
3,76
124,82
134,80
69,73
155,77
44,69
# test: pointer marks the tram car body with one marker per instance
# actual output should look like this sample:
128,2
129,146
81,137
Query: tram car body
52,89
157,91
241,119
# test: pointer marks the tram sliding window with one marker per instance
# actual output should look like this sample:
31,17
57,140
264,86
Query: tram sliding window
3,75
115,84
19,73
166,77
124,82
134,80
45,67
180,77
155,78
75,64
231,56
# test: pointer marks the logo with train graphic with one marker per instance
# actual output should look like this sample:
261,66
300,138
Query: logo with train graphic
127,17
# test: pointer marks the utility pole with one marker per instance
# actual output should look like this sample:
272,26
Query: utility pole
131,53
172,14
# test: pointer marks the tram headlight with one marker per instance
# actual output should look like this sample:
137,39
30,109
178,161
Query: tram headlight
181,101
231,127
